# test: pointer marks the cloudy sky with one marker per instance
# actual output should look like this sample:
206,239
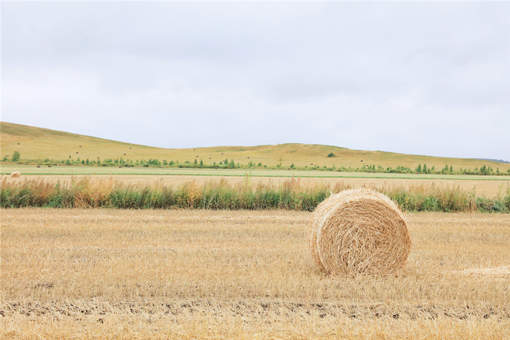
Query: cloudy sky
406,77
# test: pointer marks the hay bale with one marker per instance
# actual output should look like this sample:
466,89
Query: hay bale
359,231
319,211
15,174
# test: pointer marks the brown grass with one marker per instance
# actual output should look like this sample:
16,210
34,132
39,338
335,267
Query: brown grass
102,273
359,231
484,188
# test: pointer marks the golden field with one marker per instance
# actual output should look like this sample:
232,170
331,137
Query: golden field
35,143
495,187
189,274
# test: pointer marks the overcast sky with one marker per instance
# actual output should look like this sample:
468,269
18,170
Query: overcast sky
415,78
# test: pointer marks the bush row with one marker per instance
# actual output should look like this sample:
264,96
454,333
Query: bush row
222,195
233,164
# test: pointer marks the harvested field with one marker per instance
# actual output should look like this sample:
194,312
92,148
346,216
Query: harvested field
488,188
102,273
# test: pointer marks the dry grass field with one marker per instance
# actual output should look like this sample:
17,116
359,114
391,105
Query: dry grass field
191,274
38,143
486,188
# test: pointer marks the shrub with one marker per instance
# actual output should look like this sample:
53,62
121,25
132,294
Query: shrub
507,201
430,203
490,205
15,156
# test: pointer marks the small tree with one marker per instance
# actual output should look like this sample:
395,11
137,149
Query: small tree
331,155
15,156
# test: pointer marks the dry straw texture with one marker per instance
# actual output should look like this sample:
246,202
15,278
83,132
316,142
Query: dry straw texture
359,232
203,274
15,174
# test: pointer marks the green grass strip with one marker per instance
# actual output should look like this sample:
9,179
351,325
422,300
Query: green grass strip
291,195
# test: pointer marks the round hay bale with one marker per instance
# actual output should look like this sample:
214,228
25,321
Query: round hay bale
319,211
359,231
15,174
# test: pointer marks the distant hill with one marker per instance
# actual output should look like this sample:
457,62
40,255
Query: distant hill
494,160
35,143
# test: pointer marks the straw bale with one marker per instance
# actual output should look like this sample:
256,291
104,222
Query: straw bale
15,174
359,231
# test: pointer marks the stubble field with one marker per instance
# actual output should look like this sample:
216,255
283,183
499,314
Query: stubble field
101,273
488,186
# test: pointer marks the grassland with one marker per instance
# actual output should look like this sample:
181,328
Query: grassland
487,186
247,275
484,188
188,274
86,192
6,169
37,144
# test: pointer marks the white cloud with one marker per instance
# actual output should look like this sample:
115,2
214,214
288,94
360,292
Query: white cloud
416,78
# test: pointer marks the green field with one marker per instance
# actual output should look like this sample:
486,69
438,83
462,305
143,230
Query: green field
38,144
91,171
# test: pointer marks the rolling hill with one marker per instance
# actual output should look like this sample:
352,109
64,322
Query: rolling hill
35,143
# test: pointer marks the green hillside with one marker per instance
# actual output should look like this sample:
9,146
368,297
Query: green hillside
35,143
